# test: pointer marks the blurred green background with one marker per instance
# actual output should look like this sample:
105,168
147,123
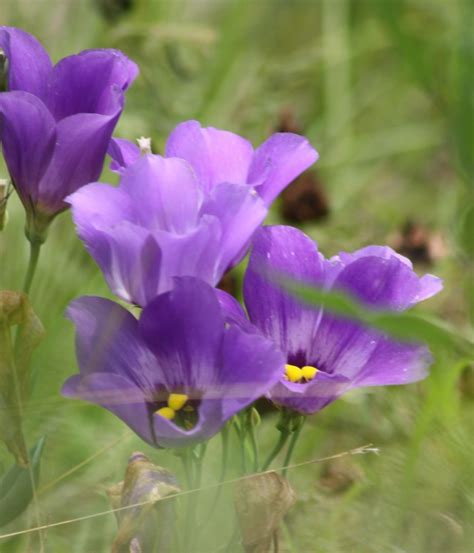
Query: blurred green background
383,90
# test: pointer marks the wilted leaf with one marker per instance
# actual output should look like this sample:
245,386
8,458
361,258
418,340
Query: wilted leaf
15,378
148,524
15,309
338,475
16,487
261,502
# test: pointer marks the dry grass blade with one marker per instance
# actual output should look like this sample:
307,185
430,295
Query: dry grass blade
356,451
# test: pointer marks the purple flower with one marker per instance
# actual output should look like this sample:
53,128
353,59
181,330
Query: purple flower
218,156
57,121
176,375
159,224
183,216
327,355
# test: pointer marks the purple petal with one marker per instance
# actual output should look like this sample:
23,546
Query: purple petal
165,192
195,254
215,155
251,366
430,285
240,212
344,347
282,251
384,252
138,263
78,158
379,282
130,259
310,397
28,135
90,82
278,161
29,66
117,394
210,421
98,205
123,153
127,254
184,329
107,338
395,363
233,312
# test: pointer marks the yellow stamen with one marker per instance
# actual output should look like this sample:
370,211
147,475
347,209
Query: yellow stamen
177,401
308,372
166,412
293,373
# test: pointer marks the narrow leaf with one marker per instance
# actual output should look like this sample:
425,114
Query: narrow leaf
16,487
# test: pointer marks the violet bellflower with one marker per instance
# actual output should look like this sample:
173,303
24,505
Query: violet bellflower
218,156
177,374
56,121
170,218
327,355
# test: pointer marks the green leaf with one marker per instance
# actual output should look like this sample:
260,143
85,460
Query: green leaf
15,486
403,325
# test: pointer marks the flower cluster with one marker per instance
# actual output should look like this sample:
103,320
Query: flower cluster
166,236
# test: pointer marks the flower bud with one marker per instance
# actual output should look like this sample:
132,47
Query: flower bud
255,418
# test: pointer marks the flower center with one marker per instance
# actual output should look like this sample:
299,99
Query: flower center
297,374
176,402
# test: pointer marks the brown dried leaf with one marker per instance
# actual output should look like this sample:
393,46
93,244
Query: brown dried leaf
15,310
339,475
149,522
262,502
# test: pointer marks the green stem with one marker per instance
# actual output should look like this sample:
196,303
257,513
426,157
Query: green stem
187,459
217,495
284,434
199,462
253,441
291,446
240,430
184,456
35,247
225,453
195,458
233,541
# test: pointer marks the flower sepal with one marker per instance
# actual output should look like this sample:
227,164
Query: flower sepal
37,227
290,421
